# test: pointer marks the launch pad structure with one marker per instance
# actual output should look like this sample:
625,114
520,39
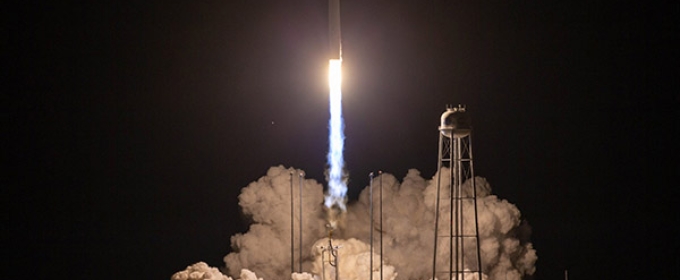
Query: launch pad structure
333,257
458,191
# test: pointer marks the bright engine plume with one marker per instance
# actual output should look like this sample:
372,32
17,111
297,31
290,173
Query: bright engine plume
337,187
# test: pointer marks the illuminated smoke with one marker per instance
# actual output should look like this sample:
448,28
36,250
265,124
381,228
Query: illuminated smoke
353,261
337,187
265,248
201,271
407,230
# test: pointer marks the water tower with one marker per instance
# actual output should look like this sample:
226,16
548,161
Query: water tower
456,232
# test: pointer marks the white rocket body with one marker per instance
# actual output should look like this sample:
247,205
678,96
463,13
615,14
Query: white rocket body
335,42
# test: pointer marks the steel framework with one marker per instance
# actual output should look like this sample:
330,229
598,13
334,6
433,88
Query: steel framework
456,248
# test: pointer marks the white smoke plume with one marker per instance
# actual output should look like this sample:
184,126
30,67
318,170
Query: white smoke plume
265,248
201,271
407,230
353,261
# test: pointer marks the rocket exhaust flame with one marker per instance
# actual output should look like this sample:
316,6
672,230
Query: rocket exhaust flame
337,186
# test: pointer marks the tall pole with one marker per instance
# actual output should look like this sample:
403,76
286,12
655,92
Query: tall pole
381,225
474,193
292,228
453,193
436,205
301,179
323,263
370,190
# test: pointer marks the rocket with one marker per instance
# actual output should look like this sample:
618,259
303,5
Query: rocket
337,185
335,42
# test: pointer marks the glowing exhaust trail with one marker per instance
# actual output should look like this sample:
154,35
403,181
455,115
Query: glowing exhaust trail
337,187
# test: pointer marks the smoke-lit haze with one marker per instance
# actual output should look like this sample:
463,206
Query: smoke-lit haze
407,232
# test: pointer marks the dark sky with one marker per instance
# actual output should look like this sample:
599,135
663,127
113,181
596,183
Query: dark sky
130,128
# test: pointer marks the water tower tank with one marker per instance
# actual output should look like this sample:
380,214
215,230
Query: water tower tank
455,122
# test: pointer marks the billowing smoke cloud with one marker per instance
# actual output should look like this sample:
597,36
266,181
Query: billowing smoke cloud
265,249
407,231
201,271
353,261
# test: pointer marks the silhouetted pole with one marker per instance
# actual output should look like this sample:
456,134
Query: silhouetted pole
292,228
371,223
381,225
302,174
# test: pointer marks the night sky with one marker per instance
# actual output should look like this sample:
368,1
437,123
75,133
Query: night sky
130,128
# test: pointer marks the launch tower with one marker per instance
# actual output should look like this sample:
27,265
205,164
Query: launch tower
456,232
